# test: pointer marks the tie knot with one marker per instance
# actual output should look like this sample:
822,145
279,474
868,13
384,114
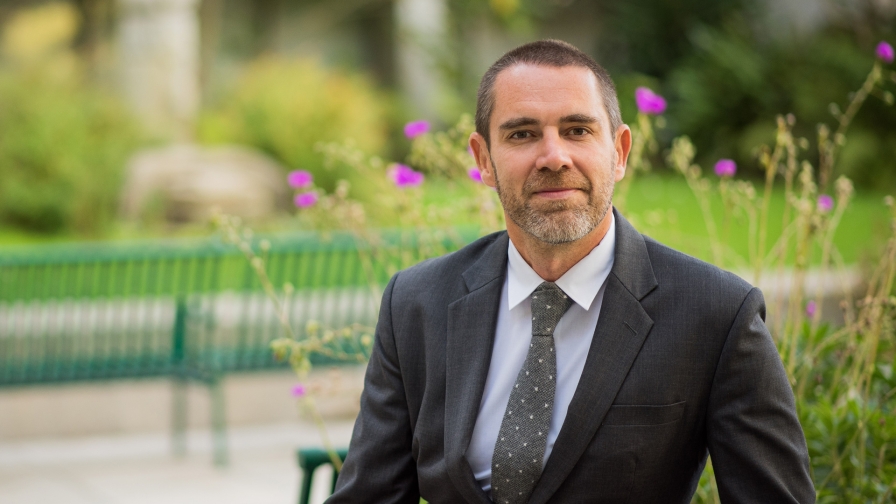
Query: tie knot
549,303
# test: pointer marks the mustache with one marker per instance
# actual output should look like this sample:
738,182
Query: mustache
546,179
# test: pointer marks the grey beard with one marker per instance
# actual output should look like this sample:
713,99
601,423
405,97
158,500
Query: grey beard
560,223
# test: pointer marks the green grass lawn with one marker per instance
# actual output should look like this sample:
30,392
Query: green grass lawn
663,207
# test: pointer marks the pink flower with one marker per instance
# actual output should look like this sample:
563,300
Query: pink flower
404,176
299,390
299,178
725,168
474,174
414,129
825,203
811,309
649,102
470,150
884,52
305,200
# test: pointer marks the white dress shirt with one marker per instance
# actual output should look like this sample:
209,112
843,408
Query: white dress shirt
584,283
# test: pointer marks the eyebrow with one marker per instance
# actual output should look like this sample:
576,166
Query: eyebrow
579,118
517,122
528,121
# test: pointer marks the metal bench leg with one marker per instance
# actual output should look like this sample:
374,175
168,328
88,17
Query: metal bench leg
179,385
219,422
305,492
309,460
179,417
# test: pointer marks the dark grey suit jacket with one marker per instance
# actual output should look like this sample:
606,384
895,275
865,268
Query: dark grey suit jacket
681,365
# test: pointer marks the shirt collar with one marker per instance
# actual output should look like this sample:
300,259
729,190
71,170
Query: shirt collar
580,283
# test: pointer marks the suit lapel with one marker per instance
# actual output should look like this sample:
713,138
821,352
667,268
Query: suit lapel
621,329
471,332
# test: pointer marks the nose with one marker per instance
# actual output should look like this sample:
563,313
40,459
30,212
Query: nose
553,154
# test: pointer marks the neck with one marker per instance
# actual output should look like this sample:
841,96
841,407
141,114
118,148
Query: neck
551,260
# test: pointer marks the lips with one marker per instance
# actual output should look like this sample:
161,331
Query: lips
557,189
556,192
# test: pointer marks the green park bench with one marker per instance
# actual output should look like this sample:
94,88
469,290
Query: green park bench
187,310
309,460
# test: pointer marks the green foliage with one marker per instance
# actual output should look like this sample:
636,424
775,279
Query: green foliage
444,153
727,93
286,107
63,147
651,36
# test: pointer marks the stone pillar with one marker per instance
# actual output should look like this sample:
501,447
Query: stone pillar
420,28
159,55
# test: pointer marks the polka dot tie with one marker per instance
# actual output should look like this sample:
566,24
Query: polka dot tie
520,448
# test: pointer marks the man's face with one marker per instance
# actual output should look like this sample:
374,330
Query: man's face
552,159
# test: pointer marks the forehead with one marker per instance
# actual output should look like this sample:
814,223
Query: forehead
527,90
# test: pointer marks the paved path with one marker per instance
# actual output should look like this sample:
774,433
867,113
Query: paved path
139,469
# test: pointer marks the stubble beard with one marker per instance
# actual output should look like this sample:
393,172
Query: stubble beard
556,222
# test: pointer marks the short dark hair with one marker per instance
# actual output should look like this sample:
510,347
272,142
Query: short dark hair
555,53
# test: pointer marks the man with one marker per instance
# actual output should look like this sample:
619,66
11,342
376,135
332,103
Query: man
570,359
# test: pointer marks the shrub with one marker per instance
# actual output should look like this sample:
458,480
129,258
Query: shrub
285,107
62,151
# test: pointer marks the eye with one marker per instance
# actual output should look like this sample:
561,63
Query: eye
519,135
578,131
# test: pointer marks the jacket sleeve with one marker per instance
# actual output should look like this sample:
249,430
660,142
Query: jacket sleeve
755,441
379,467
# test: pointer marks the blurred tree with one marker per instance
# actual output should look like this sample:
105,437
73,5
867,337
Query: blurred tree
727,91
653,36
96,28
265,16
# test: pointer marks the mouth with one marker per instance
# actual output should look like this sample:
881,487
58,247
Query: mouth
556,193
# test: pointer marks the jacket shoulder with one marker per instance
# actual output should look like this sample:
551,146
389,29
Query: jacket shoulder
670,265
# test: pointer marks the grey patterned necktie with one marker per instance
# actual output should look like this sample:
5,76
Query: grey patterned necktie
520,447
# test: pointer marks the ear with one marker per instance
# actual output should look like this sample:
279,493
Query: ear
623,144
483,158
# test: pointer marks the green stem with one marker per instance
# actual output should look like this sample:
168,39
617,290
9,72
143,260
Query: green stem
311,405
829,152
770,169
827,244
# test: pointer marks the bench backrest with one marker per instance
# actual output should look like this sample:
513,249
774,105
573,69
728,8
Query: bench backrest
96,311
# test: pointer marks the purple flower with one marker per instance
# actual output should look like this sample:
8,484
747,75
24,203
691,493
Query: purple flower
305,199
299,178
404,176
726,168
825,203
811,308
299,390
474,174
649,102
884,52
414,129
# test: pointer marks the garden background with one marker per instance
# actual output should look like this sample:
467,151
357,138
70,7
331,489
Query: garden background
128,123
